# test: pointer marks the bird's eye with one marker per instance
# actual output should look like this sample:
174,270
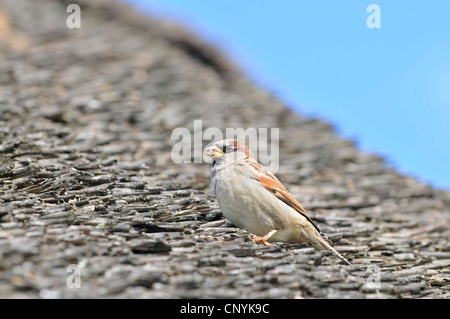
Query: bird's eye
228,149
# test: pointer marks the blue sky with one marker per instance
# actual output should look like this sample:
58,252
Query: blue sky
386,88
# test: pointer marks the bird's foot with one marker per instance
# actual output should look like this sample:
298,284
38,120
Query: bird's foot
262,240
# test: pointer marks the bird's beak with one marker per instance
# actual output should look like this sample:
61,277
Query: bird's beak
214,152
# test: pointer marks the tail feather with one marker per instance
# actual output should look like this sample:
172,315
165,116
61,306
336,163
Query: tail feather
334,251
321,243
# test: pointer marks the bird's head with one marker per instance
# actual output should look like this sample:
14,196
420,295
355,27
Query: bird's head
229,150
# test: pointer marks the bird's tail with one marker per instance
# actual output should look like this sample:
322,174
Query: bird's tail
321,243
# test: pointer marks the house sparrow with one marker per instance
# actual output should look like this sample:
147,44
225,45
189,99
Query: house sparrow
251,197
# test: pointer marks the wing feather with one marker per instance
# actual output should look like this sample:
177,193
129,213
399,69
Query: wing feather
274,186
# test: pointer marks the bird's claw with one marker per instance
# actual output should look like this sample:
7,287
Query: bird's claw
263,240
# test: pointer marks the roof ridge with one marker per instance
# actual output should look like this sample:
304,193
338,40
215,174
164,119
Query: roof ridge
173,32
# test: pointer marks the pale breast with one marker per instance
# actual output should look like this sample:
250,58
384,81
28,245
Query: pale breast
244,201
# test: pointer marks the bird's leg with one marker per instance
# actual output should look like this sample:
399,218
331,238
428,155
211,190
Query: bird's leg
264,239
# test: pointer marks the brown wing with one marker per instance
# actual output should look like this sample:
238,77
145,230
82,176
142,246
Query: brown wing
273,185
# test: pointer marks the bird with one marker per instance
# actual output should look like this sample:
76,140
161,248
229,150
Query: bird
252,197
